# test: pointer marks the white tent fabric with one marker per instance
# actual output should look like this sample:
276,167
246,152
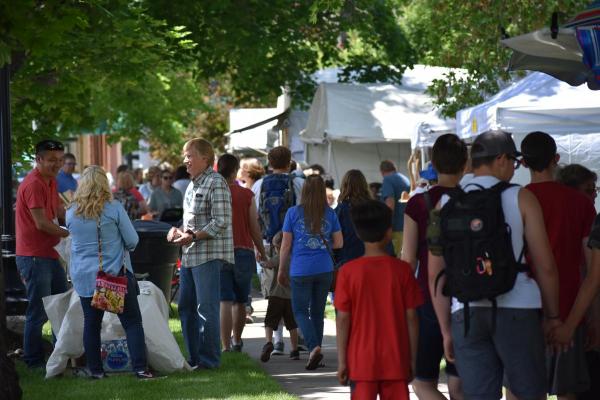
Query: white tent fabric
537,102
256,138
374,113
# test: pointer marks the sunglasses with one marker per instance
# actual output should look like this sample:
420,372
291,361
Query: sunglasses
516,161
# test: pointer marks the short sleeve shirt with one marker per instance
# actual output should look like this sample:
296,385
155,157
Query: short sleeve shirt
35,192
377,291
417,210
310,255
393,186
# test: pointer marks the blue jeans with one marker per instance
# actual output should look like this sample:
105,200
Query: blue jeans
42,277
199,305
131,319
309,295
236,279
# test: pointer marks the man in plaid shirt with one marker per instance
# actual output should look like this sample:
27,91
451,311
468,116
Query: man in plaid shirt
207,241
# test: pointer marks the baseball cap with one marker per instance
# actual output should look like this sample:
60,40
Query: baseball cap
493,143
429,173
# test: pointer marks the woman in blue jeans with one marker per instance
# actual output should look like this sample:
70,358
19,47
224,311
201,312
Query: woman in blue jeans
310,231
93,204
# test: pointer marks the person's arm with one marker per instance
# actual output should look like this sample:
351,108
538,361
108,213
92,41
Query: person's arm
342,332
412,321
42,223
60,213
410,239
255,230
389,201
128,232
545,272
283,276
441,303
587,292
337,240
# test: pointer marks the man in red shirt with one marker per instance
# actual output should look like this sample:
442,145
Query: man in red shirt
568,216
376,297
37,214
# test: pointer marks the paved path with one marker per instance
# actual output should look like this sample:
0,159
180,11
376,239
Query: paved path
319,384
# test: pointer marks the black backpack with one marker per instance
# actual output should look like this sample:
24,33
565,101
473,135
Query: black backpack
477,247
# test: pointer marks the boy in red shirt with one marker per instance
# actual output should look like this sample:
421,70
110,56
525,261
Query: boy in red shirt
376,296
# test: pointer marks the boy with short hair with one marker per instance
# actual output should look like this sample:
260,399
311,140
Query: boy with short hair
279,306
376,296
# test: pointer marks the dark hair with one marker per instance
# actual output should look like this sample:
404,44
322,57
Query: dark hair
387,166
371,220
122,168
69,156
575,175
48,145
181,173
449,154
354,188
165,171
539,150
480,161
228,165
280,157
317,167
314,203
293,165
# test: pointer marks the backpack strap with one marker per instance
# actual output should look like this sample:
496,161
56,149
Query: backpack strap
291,189
427,199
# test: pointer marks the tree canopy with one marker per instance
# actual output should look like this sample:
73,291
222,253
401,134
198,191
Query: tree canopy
164,71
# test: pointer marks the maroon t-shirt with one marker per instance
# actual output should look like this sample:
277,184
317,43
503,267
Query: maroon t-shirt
240,206
417,210
568,216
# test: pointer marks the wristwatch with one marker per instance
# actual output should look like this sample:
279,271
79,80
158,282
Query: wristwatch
191,232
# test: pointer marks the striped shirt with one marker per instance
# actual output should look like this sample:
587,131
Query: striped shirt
207,207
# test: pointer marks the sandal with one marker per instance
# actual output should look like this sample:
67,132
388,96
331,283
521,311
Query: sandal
314,362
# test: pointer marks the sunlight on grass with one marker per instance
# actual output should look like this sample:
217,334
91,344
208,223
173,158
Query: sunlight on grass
238,378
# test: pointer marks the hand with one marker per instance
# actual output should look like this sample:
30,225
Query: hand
173,234
260,257
65,233
558,345
184,239
449,348
282,278
562,334
342,374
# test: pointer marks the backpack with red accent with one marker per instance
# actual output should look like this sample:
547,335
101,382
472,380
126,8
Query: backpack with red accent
477,246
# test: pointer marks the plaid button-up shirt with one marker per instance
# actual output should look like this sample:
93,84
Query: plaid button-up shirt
207,207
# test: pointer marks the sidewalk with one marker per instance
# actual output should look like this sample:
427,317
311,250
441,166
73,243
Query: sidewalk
319,384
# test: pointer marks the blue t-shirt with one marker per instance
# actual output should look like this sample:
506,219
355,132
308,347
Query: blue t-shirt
393,186
309,254
65,182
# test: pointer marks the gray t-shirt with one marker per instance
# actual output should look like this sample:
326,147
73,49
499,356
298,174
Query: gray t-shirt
160,200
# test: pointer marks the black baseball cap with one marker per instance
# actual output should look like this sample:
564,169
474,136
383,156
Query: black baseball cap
493,143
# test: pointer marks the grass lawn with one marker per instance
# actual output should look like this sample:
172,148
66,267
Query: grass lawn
239,377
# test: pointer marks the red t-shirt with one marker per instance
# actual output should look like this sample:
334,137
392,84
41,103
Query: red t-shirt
34,192
568,216
240,204
417,210
377,291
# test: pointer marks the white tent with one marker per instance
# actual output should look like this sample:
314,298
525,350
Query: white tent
540,102
359,125
255,138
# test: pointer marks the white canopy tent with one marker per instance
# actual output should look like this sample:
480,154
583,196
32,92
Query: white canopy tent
359,125
540,102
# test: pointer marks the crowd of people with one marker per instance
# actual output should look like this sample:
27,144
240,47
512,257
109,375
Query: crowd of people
499,280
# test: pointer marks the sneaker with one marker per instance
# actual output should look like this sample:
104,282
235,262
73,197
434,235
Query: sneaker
302,348
249,319
145,375
295,355
278,349
100,375
265,355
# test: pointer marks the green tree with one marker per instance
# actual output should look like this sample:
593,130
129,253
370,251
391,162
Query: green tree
467,34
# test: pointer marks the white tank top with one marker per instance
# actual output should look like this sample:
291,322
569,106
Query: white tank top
525,293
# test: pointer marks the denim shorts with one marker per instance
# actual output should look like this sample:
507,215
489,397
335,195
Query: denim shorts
513,351
235,278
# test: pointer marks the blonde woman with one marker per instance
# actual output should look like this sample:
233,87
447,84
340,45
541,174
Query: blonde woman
93,206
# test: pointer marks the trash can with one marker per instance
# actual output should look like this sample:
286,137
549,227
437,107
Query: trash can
154,255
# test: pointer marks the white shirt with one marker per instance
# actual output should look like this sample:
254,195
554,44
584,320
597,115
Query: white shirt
525,293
